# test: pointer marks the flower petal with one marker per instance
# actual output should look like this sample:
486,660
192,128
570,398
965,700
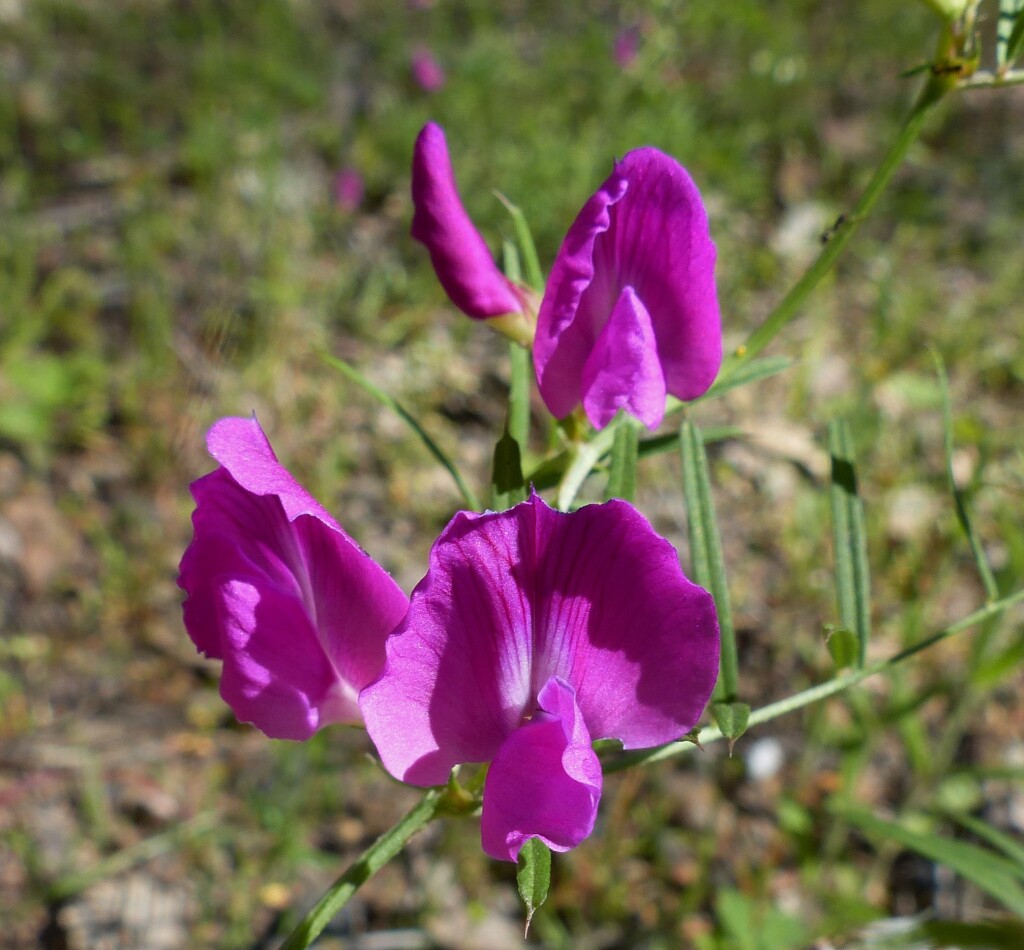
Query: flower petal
283,685
514,598
659,243
260,536
456,681
622,371
545,781
616,618
644,228
461,260
565,336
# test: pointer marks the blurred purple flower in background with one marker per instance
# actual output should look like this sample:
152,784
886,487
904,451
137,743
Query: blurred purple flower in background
348,189
630,311
625,47
278,591
426,70
460,256
533,633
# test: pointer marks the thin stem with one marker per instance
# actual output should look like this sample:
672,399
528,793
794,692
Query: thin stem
368,864
586,456
817,693
986,80
840,236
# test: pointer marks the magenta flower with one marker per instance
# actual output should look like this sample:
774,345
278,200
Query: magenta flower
290,603
427,71
461,260
533,633
630,311
626,47
348,189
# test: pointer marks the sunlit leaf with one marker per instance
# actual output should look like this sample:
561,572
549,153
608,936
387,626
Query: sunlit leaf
533,877
993,873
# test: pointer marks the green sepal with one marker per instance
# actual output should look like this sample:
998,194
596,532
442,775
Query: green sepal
732,719
507,485
533,877
843,645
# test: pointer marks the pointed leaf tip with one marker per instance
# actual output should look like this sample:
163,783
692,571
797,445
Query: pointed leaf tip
533,877
732,719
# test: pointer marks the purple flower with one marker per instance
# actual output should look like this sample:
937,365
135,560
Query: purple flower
463,263
426,70
348,189
626,47
630,311
533,633
290,603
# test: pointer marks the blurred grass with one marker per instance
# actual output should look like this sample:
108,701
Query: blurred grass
170,252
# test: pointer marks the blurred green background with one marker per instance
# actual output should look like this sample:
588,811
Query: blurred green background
172,250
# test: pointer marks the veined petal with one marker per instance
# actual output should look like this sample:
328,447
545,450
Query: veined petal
545,781
623,371
456,681
660,244
273,582
615,617
511,599
461,260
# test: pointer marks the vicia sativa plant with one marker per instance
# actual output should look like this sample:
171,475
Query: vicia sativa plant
539,626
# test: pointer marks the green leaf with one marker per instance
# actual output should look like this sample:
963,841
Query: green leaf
350,372
533,877
732,720
655,445
991,872
510,262
706,549
622,475
520,374
527,249
842,645
507,485
1010,33
850,539
1011,847
988,581
748,373
756,925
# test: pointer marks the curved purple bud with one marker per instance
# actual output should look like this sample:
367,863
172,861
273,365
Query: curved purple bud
461,260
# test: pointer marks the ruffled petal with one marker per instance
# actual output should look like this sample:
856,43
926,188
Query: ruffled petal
616,618
660,244
456,681
461,260
595,597
623,371
304,596
545,781
565,334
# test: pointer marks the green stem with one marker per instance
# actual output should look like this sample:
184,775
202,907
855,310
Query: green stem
706,556
521,369
817,693
585,457
985,80
845,228
369,863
